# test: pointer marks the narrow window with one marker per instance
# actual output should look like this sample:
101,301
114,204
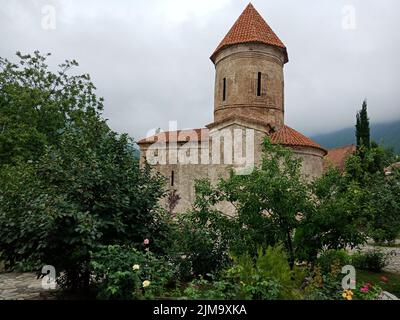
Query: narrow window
172,178
259,85
224,90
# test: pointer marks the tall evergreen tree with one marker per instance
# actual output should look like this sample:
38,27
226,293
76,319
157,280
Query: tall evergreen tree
362,128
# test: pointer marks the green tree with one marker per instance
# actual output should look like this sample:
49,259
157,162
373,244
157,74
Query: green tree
339,219
362,128
269,202
83,188
37,105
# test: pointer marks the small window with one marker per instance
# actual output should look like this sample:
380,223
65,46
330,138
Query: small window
172,178
259,85
224,90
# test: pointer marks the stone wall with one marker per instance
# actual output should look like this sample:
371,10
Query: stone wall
240,65
185,175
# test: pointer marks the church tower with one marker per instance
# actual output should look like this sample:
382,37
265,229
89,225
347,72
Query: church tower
249,81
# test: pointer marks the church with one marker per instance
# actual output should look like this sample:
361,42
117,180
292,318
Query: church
249,105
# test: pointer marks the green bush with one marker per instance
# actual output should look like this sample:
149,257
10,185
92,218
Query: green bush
122,272
367,291
84,194
265,277
332,257
69,183
373,260
200,248
226,289
325,285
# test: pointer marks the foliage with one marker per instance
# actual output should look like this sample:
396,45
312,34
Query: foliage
266,277
200,247
362,127
271,264
339,219
333,257
373,260
268,202
84,189
203,289
367,291
365,165
385,201
37,105
121,272
387,281
325,285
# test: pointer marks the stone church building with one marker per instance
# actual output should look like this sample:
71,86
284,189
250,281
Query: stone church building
248,106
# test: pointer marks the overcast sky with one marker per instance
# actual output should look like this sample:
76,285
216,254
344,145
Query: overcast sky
150,59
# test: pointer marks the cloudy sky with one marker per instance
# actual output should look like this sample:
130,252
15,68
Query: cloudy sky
150,59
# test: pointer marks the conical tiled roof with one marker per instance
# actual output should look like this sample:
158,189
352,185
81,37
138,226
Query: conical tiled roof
289,137
250,27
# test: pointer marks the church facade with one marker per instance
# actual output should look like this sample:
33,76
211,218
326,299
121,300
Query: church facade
248,106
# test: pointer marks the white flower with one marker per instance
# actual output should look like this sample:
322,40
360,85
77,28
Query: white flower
146,283
135,267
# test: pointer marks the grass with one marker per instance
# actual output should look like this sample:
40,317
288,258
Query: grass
392,285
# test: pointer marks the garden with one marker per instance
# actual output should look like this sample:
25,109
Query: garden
73,196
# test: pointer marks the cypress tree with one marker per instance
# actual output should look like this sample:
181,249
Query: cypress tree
362,128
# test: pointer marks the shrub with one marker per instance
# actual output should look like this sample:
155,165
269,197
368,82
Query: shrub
122,273
367,291
200,247
331,257
68,182
228,290
265,277
268,276
325,285
373,260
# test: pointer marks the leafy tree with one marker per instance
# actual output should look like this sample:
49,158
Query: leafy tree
385,201
37,105
339,219
75,198
366,169
362,127
268,202
83,189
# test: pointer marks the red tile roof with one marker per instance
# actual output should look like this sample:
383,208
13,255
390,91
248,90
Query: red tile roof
337,157
285,136
250,27
289,137
177,136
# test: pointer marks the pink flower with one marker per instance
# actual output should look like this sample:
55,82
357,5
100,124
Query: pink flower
146,242
364,289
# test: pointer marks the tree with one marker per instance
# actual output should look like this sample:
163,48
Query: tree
83,189
269,202
362,128
385,201
339,218
38,105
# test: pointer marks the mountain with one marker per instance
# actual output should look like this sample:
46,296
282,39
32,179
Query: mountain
387,134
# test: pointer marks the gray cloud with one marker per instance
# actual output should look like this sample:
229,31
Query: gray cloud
150,59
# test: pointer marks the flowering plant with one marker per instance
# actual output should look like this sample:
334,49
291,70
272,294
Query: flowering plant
368,291
347,295
127,273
